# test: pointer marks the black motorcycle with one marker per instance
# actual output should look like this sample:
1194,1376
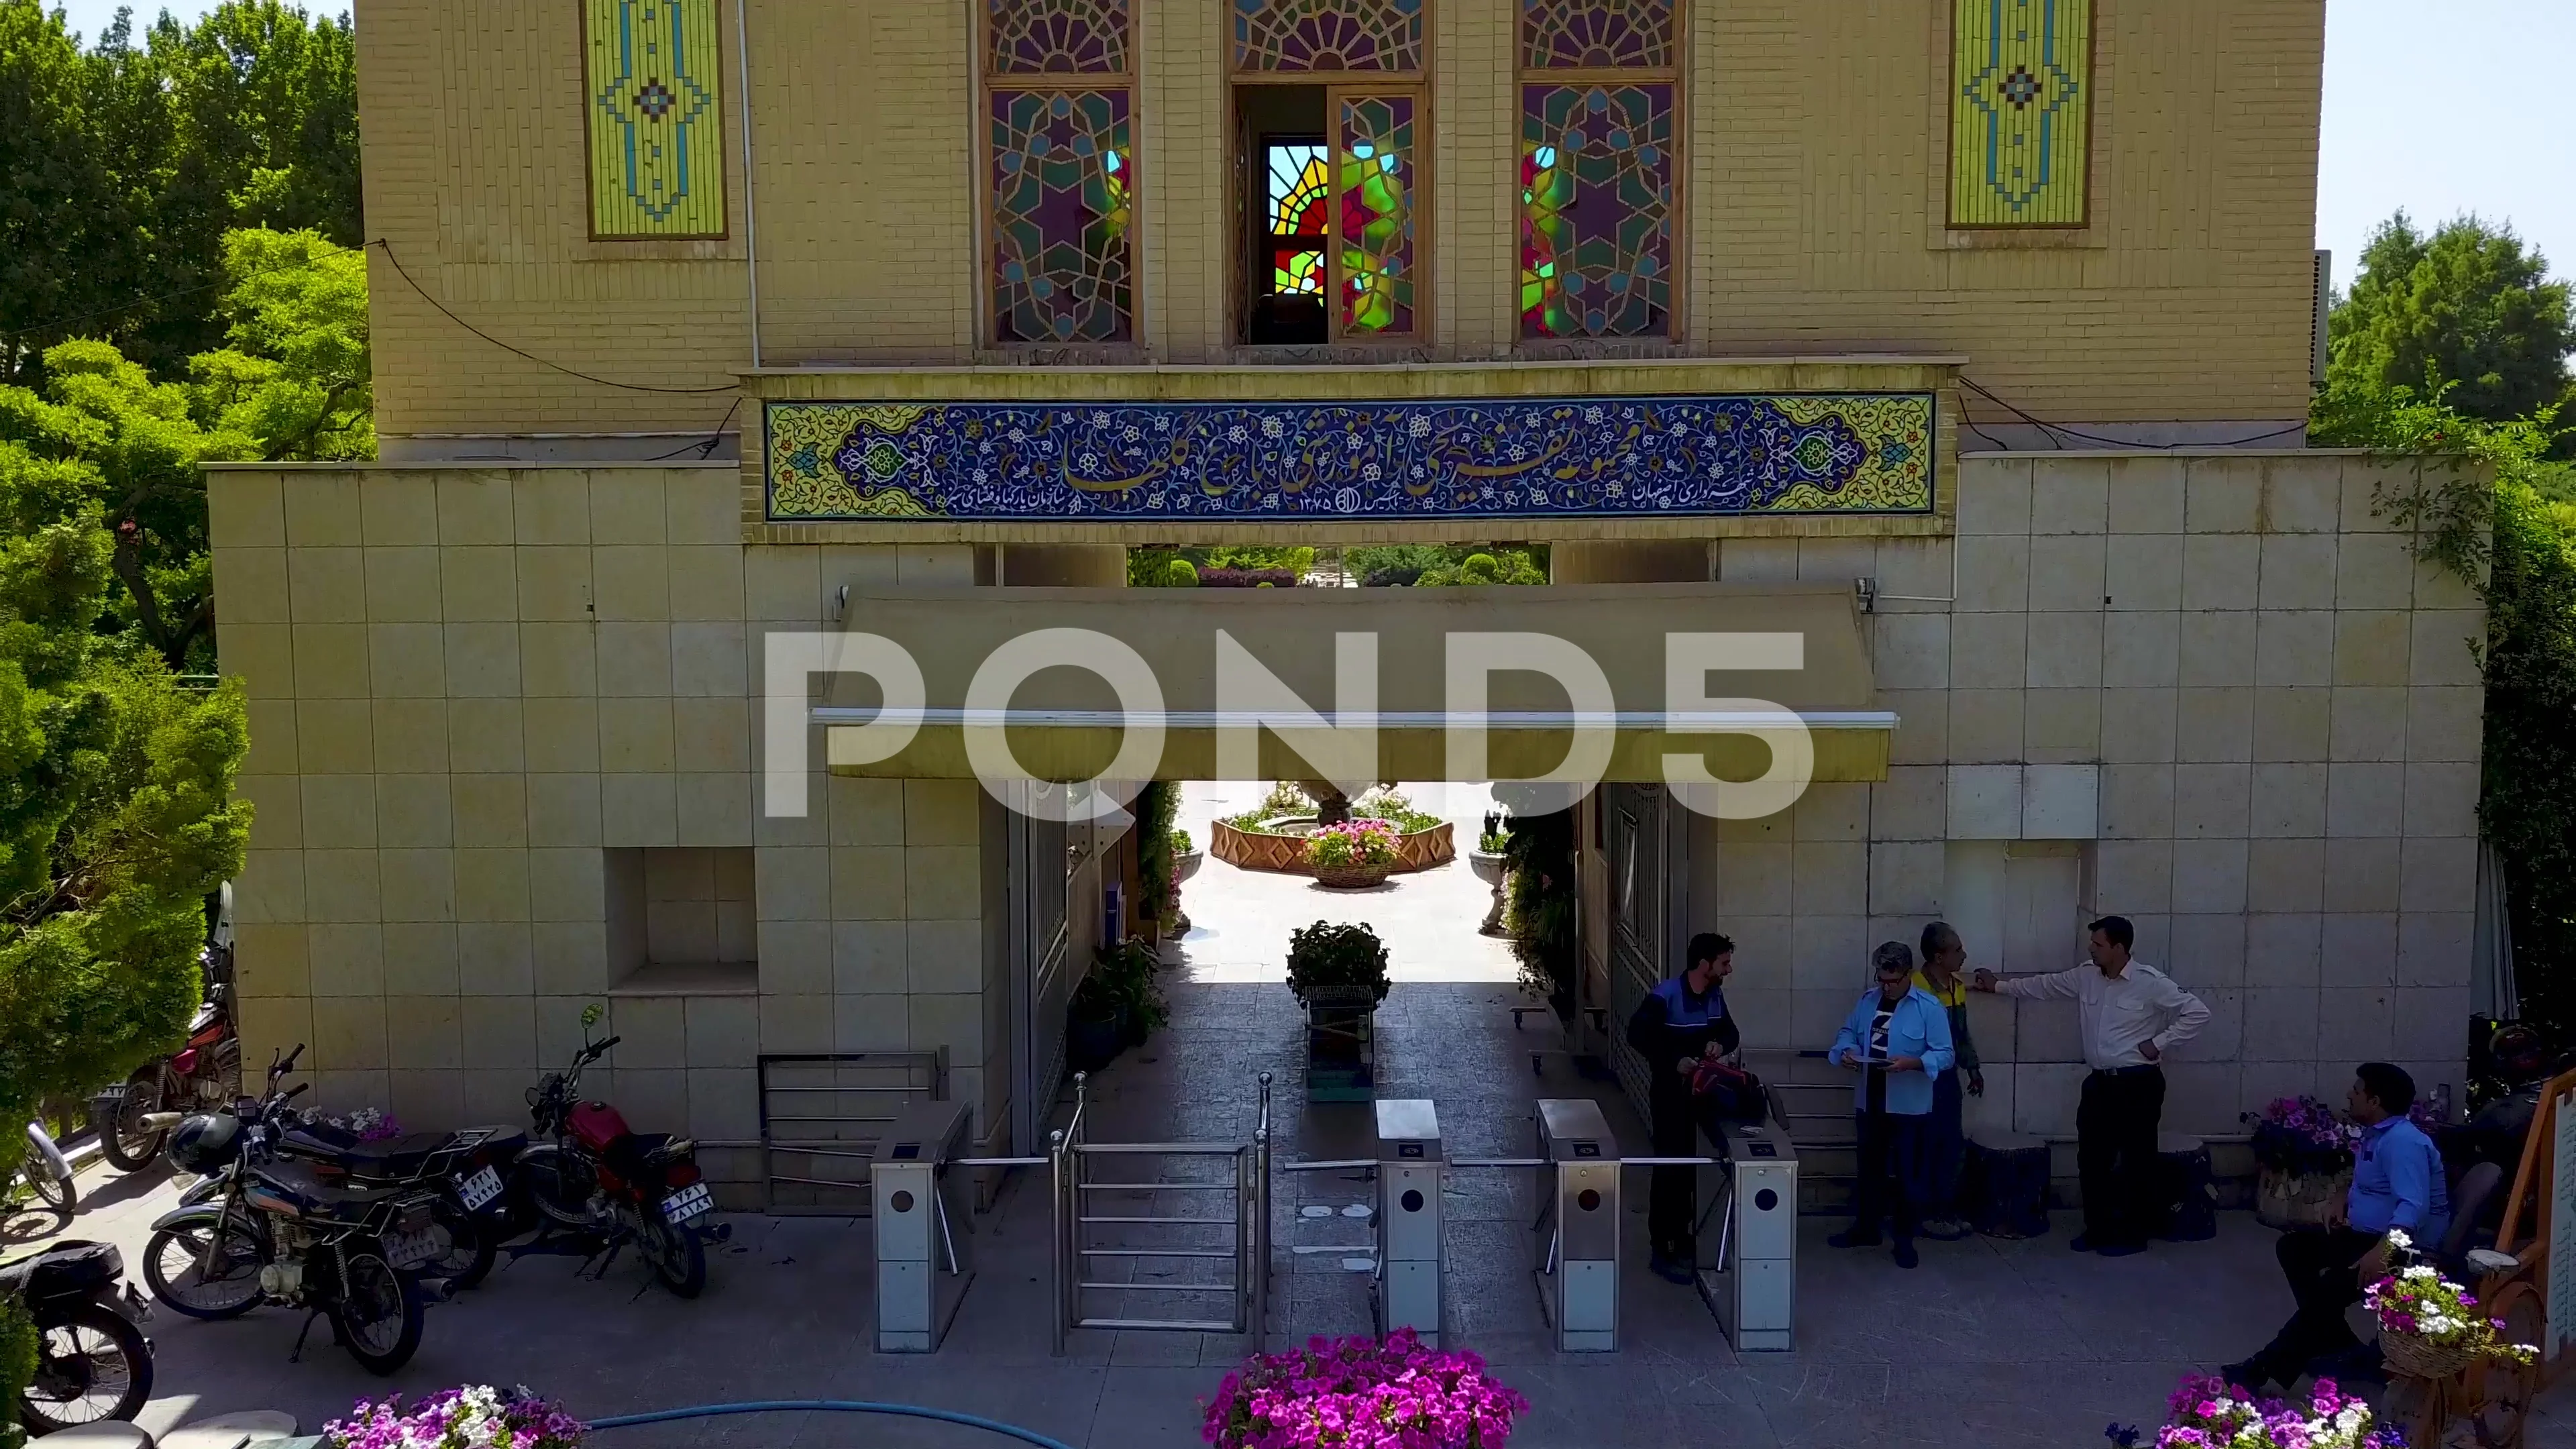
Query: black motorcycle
276,1232
92,1360
466,1169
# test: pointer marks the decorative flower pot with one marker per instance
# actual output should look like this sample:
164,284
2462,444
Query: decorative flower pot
1186,865
2302,1200
1488,868
2416,1358
1093,1042
1492,871
1353,877
1341,1048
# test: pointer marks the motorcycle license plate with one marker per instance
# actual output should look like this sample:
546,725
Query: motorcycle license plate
479,1189
689,1204
410,1250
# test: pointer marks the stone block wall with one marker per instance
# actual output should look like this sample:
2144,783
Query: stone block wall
2214,693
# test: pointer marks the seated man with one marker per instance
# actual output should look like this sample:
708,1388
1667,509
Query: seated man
2396,1186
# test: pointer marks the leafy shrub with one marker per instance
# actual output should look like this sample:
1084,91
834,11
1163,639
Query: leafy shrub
1226,578
1128,975
1286,797
1327,959
1180,573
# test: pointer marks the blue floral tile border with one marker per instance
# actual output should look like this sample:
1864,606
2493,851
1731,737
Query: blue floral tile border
1613,457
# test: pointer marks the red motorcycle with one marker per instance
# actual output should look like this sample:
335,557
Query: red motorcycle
593,1176
133,1120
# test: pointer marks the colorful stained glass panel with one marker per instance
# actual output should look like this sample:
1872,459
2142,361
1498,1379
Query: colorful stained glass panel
656,118
2020,112
1378,161
1596,34
1063,198
1324,36
1596,210
1057,37
1300,196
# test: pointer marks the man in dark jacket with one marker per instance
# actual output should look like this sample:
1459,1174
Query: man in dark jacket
1677,1022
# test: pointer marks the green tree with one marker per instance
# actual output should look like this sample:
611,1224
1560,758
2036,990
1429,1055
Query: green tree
2467,309
122,168
297,375
116,809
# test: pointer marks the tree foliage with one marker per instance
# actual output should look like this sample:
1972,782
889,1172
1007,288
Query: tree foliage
292,386
2467,309
2515,541
123,167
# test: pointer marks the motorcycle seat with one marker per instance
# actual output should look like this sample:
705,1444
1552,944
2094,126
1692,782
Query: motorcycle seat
70,1268
400,1157
301,1184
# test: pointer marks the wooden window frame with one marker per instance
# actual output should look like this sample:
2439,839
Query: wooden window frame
990,80
1676,75
1240,204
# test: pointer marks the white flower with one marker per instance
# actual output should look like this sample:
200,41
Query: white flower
2419,1271
2397,1238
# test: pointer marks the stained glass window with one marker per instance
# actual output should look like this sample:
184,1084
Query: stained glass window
2020,112
1596,34
1300,196
1322,36
1596,210
1057,37
1063,197
1377,159
655,116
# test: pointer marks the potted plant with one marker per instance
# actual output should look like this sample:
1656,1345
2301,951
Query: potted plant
1338,973
1353,855
1126,973
1491,862
1355,1391
1095,1025
1186,857
2304,1152
2207,1412
472,1414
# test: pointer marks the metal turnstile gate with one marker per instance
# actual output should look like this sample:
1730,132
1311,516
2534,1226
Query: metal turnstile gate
922,1268
1161,1235
1748,1237
1410,1169
1575,1241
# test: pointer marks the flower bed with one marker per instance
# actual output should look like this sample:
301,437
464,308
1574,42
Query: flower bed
1360,1393
473,1416
1280,845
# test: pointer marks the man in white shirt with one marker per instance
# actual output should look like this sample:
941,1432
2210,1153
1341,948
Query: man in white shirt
2130,1015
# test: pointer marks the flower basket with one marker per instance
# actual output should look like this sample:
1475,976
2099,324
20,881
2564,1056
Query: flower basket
2285,1200
1362,1391
1352,877
471,1414
2413,1355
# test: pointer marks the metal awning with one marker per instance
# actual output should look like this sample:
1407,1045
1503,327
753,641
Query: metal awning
1065,723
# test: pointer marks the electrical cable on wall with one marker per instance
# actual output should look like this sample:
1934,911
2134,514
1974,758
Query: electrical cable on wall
2050,430
388,249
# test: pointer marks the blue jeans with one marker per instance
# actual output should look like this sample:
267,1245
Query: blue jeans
1945,1146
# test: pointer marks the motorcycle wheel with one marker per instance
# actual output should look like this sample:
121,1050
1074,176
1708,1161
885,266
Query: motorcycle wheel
57,1193
171,1270
123,1140
556,1185
678,1258
378,1313
94,1365
472,1245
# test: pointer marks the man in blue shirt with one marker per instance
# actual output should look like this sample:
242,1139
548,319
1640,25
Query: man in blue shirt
2397,1187
1672,1029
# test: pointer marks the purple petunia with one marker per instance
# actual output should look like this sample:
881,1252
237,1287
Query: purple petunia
1362,1393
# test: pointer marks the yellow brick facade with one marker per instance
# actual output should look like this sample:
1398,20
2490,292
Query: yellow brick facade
1815,163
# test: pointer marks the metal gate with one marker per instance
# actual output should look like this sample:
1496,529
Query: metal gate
821,1115
1042,981
1649,905
1161,1235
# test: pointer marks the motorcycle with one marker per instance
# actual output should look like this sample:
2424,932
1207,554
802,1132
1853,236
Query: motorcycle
467,1170
592,1175
203,1076
276,1232
48,1173
92,1360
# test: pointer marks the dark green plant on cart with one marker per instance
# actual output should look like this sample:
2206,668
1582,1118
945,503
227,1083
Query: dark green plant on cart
1539,908
1157,806
1326,960
1127,974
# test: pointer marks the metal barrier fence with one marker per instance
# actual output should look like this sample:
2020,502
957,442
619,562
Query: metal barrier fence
1112,1209
821,1116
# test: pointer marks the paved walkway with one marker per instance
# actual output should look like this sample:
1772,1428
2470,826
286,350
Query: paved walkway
1989,1345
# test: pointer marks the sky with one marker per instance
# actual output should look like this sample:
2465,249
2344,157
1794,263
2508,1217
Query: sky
2440,108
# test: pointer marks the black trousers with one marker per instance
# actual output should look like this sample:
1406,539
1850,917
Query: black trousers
1672,1198
2115,1153
2318,1262
1892,1186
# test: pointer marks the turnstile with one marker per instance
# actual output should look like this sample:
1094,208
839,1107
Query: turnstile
1748,1237
1575,1241
921,1266
1409,1171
